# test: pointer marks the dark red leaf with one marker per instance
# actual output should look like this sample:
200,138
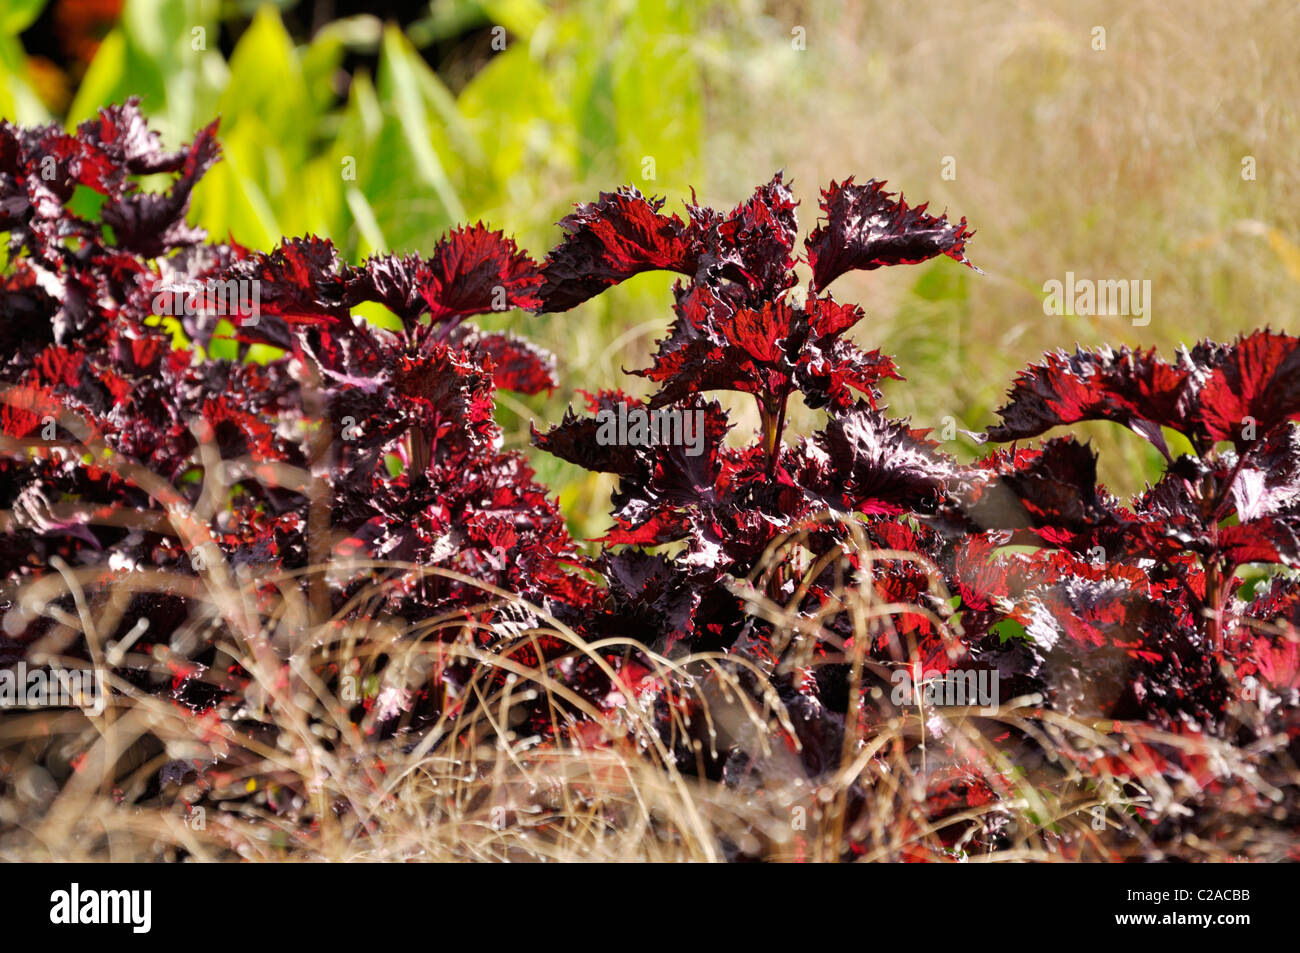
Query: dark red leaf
865,228
1133,388
1253,389
621,235
477,271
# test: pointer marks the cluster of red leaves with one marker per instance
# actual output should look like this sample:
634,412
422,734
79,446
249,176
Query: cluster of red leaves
1102,610
394,429
1125,611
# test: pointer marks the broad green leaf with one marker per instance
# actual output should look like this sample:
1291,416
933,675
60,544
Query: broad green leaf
18,101
364,102
519,17
103,79
532,141
378,315
323,56
158,28
656,100
18,15
444,107
319,201
164,52
398,70
597,121
372,236
446,19
267,86
413,212
230,202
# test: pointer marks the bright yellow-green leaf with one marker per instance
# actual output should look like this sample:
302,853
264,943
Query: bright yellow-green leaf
18,101
18,15
399,80
519,17
102,80
267,85
372,236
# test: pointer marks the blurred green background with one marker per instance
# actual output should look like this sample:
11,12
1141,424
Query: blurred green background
1115,140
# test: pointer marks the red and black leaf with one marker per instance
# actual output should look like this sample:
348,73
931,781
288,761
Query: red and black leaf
866,228
515,363
1253,388
1133,388
608,241
476,271
863,462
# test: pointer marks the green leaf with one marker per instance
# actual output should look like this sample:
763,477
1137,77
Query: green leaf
399,69
1008,629
102,80
18,101
519,17
152,54
229,201
372,236
656,94
323,56
18,15
157,27
267,87
1179,446
533,158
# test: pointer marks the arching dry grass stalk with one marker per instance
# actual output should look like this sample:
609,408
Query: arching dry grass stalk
285,774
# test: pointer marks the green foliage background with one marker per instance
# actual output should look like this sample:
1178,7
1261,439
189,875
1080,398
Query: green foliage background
1117,163
549,120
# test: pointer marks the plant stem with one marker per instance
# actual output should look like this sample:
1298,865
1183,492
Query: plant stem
1214,594
775,451
766,424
